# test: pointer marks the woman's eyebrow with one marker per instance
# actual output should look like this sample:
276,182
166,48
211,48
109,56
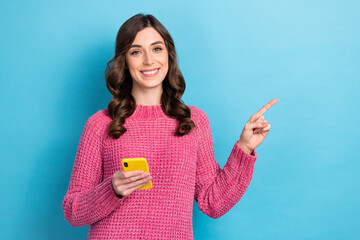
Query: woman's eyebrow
137,45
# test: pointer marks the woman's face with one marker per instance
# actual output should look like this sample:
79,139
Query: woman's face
147,60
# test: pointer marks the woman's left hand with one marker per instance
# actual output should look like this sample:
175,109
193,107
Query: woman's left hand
255,129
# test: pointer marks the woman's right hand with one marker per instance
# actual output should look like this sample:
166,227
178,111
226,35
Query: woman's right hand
124,183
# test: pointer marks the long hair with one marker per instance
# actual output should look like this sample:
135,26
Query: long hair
119,81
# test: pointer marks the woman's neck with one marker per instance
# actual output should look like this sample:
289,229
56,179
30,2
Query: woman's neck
147,97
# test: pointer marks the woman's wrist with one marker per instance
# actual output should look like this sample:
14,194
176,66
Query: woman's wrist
245,149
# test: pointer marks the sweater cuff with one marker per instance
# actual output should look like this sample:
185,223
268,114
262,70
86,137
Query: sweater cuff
108,200
239,158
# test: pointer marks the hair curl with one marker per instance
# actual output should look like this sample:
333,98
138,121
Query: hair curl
119,81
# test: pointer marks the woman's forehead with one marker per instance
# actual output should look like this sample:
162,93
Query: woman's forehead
147,36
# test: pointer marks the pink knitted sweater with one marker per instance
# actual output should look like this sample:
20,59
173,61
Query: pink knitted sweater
183,168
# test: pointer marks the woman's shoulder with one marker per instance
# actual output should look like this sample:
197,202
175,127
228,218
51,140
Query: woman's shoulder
100,116
197,114
100,119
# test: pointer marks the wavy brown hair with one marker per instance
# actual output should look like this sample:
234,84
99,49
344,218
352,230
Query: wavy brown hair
119,81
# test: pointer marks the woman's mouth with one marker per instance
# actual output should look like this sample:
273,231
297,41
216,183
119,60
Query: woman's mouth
150,73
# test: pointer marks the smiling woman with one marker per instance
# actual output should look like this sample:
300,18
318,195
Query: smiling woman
146,118
147,61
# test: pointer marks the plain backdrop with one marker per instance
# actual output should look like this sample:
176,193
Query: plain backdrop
235,56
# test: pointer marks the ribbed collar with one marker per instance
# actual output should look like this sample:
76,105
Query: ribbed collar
146,112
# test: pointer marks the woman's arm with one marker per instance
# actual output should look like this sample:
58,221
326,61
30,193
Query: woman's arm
218,190
89,198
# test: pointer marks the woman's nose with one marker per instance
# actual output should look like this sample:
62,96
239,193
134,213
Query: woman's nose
148,59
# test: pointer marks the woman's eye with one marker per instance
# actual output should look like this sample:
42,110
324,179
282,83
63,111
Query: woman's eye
133,53
137,52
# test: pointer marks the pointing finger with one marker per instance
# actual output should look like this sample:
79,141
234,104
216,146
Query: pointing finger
263,110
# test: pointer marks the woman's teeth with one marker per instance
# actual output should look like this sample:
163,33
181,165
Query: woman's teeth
151,72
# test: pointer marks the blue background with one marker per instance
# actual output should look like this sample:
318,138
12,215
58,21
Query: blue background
235,56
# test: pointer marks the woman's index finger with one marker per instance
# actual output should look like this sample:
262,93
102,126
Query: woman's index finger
263,109
132,173
267,106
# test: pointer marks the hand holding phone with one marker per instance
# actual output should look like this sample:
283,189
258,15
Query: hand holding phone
135,176
124,183
132,164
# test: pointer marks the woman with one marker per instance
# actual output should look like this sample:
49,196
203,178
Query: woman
147,118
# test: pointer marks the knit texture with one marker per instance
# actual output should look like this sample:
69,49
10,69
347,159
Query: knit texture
183,168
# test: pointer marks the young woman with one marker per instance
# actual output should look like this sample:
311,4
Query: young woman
147,118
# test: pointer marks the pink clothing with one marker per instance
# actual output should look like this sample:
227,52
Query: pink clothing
183,168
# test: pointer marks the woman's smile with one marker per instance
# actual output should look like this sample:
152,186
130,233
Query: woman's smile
150,73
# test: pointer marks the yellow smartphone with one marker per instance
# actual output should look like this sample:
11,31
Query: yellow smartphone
132,164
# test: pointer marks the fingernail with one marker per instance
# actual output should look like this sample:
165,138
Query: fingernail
264,124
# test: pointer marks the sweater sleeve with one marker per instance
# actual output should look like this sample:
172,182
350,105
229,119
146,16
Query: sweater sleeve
218,190
89,197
